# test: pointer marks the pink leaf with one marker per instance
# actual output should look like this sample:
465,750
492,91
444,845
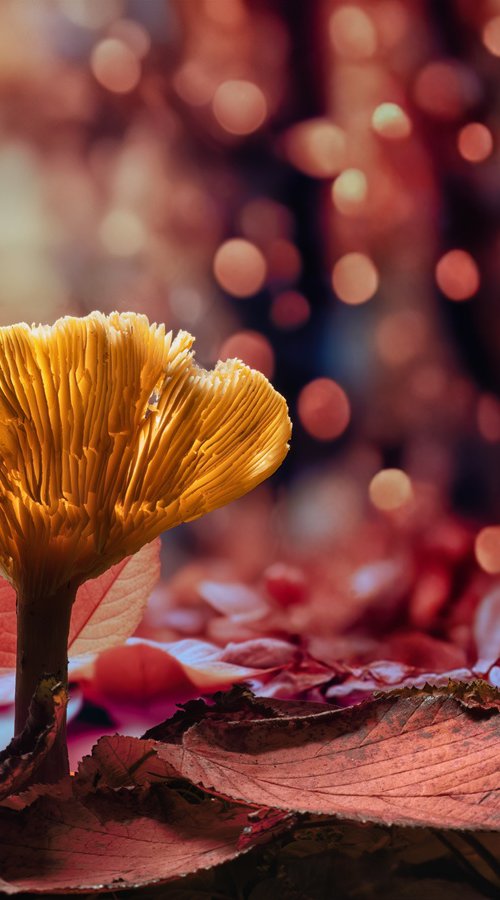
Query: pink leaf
236,599
106,611
487,630
140,671
413,757
127,839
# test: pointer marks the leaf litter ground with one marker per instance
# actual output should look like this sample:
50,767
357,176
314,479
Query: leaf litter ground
168,805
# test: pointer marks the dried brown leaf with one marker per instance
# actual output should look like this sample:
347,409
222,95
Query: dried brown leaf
418,757
125,839
20,760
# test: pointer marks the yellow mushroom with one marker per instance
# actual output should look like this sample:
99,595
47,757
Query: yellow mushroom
109,435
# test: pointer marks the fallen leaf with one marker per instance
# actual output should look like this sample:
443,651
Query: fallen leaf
235,599
106,610
487,630
264,652
118,761
20,760
423,652
417,757
141,670
127,839
355,683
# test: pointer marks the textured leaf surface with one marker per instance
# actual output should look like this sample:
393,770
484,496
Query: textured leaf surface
123,839
117,761
417,757
20,760
106,611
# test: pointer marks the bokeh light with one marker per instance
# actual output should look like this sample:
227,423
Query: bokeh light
488,418
240,267
487,549
323,409
253,348
316,147
390,489
133,34
475,142
193,83
491,35
352,32
239,106
349,192
391,122
457,275
355,278
115,66
446,89
290,310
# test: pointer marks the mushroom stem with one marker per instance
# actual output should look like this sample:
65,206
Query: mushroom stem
42,649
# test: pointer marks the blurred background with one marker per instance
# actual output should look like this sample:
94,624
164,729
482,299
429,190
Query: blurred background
314,188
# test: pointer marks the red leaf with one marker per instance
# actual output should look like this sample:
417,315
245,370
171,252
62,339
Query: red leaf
107,609
419,757
125,839
140,671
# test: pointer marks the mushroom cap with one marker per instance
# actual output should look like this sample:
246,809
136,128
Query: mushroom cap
110,434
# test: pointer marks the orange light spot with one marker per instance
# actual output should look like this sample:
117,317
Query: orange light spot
193,84
487,549
239,106
316,147
283,260
488,418
251,347
491,35
290,310
352,33
355,278
240,267
133,34
349,192
475,142
323,409
457,275
391,122
115,66
445,89
401,336
390,489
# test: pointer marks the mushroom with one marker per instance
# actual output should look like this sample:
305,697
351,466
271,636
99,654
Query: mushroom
109,435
